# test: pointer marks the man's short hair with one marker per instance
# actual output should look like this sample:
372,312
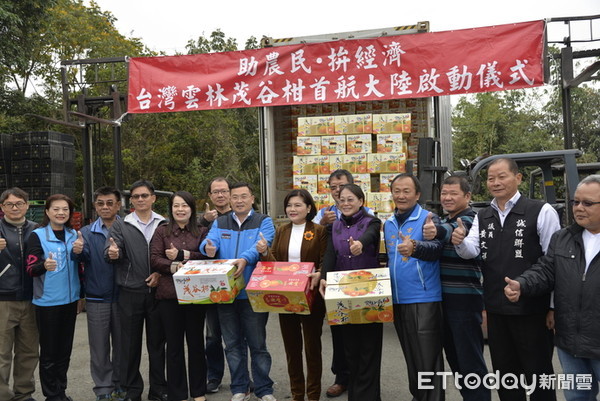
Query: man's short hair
590,179
241,185
341,173
217,179
14,191
414,179
513,167
462,181
142,183
105,191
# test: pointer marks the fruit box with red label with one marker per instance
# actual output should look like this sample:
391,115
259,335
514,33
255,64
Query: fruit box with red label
207,282
359,296
281,287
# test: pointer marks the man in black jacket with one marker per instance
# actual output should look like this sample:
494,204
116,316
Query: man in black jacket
571,268
18,330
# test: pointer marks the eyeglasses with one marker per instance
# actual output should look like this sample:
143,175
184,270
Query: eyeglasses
585,203
108,203
138,196
220,192
11,205
242,197
336,187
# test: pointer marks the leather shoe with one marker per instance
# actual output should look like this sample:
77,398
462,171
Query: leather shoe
152,396
335,390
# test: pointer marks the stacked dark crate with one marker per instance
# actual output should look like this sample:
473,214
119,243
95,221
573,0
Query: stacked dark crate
5,158
43,163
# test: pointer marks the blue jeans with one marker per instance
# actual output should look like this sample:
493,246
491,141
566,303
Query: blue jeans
580,366
239,322
463,344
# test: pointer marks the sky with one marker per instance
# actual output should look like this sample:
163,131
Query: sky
166,26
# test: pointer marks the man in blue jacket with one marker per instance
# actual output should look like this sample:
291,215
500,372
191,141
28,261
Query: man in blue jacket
234,236
101,296
417,289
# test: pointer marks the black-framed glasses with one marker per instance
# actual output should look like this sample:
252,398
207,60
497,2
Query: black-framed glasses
108,203
11,205
138,196
220,192
585,203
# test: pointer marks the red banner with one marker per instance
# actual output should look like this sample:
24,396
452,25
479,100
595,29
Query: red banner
414,65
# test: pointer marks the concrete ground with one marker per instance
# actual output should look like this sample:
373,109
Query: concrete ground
393,375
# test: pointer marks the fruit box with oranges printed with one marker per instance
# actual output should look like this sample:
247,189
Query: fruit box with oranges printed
207,282
281,287
359,296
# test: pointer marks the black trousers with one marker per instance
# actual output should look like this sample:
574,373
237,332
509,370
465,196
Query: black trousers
184,324
56,326
419,329
521,344
362,345
136,308
339,364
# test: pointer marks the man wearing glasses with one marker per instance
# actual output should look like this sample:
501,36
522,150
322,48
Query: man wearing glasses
571,268
18,330
234,236
218,192
128,247
510,235
104,327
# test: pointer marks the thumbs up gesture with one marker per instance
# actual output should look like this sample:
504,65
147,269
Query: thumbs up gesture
459,233
171,252
356,247
512,289
429,228
2,244
50,264
262,245
113,249
78,243
406,247
210,215
210,249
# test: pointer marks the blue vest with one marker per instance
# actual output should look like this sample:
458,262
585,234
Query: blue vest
59,287
413,280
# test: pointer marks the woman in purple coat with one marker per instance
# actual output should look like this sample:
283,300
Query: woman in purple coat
354,245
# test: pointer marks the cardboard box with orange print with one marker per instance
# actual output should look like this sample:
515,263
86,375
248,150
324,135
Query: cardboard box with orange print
342,124
322,125
359,296
392,123
322,200
306,181
380,201
304,124
360,124
308,145
336,162
333,145
363,181
356,163
386,163
306,165
385,180
389,143
207,282
358,143
322,184
281,287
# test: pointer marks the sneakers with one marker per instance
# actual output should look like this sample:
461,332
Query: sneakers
268,397
212,386
240,397
118,395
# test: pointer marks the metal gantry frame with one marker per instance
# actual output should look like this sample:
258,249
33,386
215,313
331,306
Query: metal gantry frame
568,57
79,78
